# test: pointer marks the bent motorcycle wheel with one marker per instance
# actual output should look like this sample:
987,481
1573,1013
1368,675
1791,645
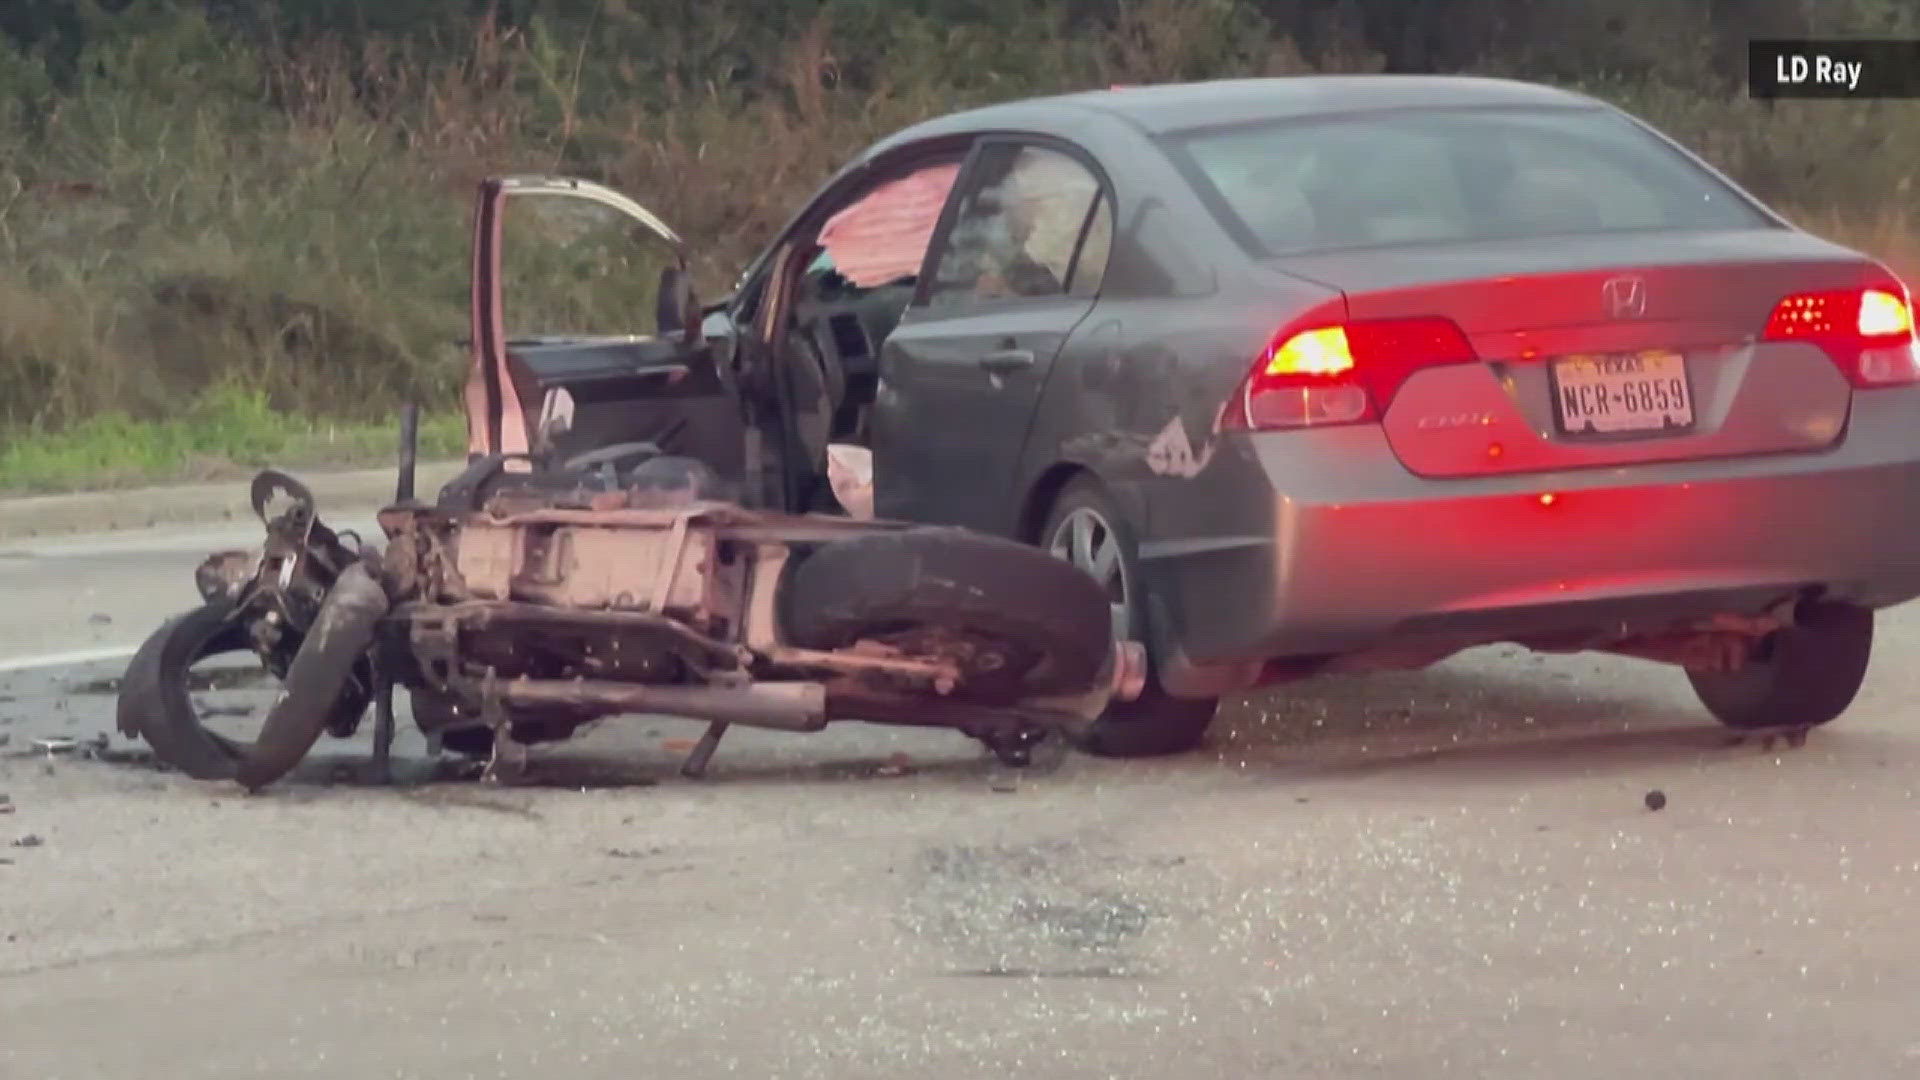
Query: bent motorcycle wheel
1051,617
154,702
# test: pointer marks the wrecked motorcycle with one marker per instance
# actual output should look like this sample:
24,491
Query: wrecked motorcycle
541,611
519,608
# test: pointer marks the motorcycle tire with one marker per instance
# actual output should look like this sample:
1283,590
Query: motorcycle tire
320,681
886,582
155,703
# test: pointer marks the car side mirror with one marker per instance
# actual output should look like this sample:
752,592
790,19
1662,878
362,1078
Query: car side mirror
676,309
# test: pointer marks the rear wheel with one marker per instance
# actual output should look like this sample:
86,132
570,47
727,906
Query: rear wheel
1801,676
1088,530
1029,626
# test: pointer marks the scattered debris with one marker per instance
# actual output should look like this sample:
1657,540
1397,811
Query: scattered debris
28,841
100,619
1656,799
633,853
1005,782
897,764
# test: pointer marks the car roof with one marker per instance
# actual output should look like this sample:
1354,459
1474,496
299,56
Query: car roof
1176,106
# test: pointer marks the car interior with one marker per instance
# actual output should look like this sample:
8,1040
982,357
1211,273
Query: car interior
838,292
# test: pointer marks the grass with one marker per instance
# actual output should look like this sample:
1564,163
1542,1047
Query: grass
226,435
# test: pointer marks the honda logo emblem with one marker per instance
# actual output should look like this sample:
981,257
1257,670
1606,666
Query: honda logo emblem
1626,297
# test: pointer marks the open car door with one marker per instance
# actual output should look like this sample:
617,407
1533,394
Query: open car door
585,332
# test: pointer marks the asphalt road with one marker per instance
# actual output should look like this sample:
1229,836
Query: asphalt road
1449,873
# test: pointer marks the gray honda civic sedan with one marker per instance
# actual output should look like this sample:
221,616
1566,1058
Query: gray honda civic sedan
1348,373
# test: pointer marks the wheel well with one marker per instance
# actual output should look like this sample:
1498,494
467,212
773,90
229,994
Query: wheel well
1039,501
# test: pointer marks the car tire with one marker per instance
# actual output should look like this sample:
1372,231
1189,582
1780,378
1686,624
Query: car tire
894,580
1156,723
1802,676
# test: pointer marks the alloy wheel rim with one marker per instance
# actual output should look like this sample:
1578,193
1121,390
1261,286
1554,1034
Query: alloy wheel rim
1086,540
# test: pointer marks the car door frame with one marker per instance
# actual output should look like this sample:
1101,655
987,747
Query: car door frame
1007,519
497,420
765,286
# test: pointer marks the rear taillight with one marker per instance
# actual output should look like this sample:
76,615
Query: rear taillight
1868,332
1340,374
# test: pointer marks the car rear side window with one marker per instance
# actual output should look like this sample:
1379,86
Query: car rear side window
1438,175
1017,229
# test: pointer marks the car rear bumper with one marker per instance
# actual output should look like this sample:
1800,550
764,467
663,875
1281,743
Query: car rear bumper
1319,543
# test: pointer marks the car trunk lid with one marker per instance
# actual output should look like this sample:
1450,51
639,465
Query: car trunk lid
1605,350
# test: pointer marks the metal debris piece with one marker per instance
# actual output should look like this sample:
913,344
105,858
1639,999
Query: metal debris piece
1793,735
56,744
1656,799
27,841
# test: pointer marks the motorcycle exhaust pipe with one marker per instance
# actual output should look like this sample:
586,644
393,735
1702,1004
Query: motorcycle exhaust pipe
780,706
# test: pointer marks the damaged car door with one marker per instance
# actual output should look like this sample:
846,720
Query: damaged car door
1015,271
585,331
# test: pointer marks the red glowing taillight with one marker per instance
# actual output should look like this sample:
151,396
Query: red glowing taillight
1868,332
1342,373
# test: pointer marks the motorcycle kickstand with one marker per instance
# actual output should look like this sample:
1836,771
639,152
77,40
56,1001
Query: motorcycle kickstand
695,766
509,759
380,769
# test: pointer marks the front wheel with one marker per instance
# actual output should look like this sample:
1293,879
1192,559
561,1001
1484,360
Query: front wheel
326,687
1087,530
155,703
1800,676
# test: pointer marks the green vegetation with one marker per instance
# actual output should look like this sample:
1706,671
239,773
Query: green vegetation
224,434
232,233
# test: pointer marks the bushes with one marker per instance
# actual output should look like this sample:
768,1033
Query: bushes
201,195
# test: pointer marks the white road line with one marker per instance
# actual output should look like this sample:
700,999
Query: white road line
65,659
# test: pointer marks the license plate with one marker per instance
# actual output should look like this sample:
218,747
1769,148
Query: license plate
1627,392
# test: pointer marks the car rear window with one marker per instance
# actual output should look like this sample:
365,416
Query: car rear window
1438,175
